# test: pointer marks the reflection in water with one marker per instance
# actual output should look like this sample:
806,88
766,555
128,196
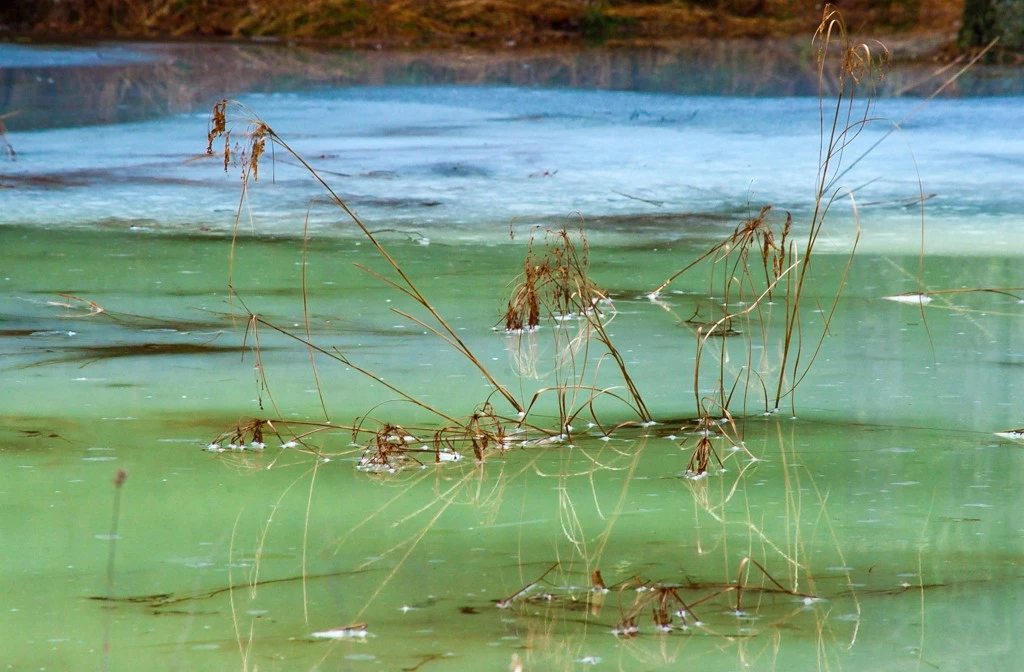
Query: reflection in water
859,520
135,81
855,536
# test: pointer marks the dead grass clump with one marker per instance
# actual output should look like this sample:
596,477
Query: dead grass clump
665,604
556,290
523,312
671,605
249,434
706,428
482,433
745,270
246,156
389,448
555,283
701,457
757,234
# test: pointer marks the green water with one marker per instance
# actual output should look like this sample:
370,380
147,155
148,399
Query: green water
887,510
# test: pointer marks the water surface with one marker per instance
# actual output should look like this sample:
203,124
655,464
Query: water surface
879,497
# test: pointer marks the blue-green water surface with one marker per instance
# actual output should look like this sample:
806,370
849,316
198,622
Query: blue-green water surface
871,521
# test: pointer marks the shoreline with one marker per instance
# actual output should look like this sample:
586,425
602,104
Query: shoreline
477,25
903,48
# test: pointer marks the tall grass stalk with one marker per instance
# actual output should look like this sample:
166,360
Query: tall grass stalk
838,129
257,135
556,290
760,264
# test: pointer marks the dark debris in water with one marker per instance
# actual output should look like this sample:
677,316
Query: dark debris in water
84,177
457,169
159,602
32,437
94,353
696,225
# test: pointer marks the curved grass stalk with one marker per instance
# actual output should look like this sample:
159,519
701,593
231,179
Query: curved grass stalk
556,284
712,330
258,134
305,320
336,355
857,61
797,374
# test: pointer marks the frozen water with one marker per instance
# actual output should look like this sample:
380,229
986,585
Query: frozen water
469,162
14,56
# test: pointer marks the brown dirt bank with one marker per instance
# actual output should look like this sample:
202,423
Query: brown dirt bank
433,24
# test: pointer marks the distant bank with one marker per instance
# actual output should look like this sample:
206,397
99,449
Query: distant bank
501,24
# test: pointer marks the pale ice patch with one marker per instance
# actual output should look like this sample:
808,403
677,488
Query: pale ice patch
347,632
918,299
373,467
625,631
579,134
447,455
33,56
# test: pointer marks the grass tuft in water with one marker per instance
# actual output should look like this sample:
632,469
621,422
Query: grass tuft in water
556,290
759,263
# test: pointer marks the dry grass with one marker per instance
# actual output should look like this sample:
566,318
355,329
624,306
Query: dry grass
669,604
446,22
759,264
750,267
556,290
